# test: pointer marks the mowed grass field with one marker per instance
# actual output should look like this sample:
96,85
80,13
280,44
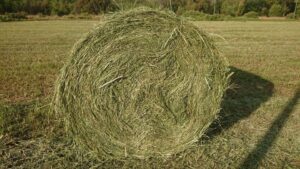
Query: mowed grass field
259,125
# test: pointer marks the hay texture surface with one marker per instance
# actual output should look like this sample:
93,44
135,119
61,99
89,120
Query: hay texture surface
145,83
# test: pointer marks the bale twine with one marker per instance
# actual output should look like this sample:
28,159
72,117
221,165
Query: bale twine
145,83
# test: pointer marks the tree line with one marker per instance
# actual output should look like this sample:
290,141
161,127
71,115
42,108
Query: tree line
226,7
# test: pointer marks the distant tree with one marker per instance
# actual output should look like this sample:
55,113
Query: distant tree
1,9
219,5
297,9
276,10
95,6
216,6
255,5
241,7
61,7
11,5
173,5
233,7
45,7
228,7
271,2
288,6
264,11
37,6
205,6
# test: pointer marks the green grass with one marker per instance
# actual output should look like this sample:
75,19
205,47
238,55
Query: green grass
259,121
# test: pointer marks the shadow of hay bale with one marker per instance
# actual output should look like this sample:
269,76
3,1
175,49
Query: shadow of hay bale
254,158
248,93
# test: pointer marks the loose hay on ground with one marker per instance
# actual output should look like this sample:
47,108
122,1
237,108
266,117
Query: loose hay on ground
145,83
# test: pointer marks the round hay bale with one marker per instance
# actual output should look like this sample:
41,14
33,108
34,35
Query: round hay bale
145,83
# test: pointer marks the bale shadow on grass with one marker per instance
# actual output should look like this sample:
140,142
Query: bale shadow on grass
248,91
254,158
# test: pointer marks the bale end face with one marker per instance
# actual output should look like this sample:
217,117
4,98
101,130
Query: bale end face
145,83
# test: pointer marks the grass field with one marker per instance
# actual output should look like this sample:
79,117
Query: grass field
259,125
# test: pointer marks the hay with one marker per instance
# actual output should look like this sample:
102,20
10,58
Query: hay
145,83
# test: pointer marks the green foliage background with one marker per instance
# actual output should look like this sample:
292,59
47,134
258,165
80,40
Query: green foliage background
226,7
276,10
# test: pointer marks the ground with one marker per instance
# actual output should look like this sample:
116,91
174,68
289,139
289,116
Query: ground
258,125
